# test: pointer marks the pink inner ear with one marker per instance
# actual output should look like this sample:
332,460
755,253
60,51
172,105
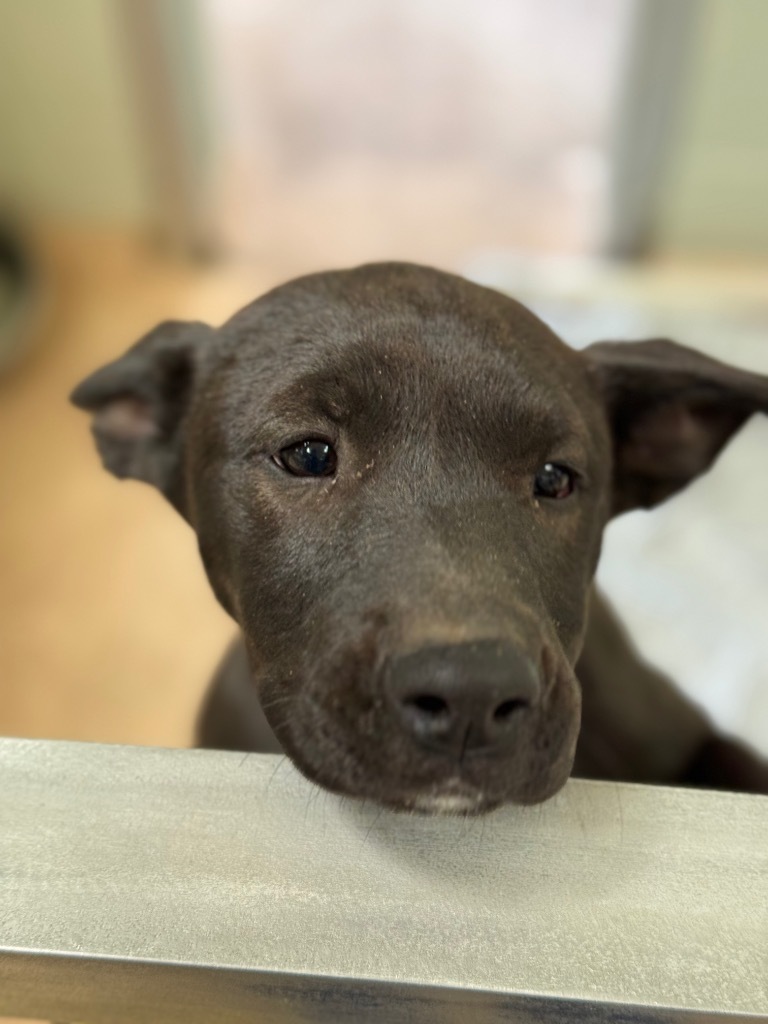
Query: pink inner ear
126,419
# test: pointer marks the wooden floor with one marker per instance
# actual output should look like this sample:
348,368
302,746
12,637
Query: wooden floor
108,631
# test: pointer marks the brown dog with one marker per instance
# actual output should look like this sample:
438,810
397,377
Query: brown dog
399,482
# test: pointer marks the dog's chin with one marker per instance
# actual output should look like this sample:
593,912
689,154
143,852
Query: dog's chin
443,801
449,804
434,801
464,801
450,797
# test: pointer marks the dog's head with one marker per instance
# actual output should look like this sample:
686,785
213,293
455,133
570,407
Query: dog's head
399,482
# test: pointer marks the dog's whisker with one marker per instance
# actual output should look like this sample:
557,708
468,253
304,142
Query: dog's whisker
281,759
372,826
276,702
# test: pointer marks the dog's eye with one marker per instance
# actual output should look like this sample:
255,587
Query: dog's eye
308,458
554,481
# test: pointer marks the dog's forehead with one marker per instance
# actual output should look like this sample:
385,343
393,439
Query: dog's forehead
345,330
393,352
397,364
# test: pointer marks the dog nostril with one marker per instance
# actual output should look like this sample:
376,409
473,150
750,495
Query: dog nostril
507,708
434,706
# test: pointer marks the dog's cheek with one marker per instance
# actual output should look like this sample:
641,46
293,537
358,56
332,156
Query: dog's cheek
254,568
561,559
552,745
564,596
234,529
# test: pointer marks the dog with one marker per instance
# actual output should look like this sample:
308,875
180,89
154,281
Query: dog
399,481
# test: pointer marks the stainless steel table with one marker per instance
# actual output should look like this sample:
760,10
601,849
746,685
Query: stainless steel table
191,886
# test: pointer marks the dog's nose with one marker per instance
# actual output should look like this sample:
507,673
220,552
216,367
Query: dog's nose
462,697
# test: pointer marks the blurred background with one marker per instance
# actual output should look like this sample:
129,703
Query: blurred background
604,160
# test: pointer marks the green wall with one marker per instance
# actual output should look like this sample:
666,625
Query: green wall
69,142
715,195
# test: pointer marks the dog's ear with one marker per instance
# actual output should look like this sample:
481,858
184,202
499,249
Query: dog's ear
671,410
139,402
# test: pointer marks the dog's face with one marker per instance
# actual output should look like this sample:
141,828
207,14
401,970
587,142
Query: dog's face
399,482
400,498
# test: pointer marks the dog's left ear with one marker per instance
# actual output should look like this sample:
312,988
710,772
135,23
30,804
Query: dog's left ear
139,403
671,410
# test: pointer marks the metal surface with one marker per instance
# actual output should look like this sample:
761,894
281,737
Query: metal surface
154,885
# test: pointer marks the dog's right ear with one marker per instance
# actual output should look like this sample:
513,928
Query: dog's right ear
139,403
672,410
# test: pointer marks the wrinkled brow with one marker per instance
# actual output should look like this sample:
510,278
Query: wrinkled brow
478,400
